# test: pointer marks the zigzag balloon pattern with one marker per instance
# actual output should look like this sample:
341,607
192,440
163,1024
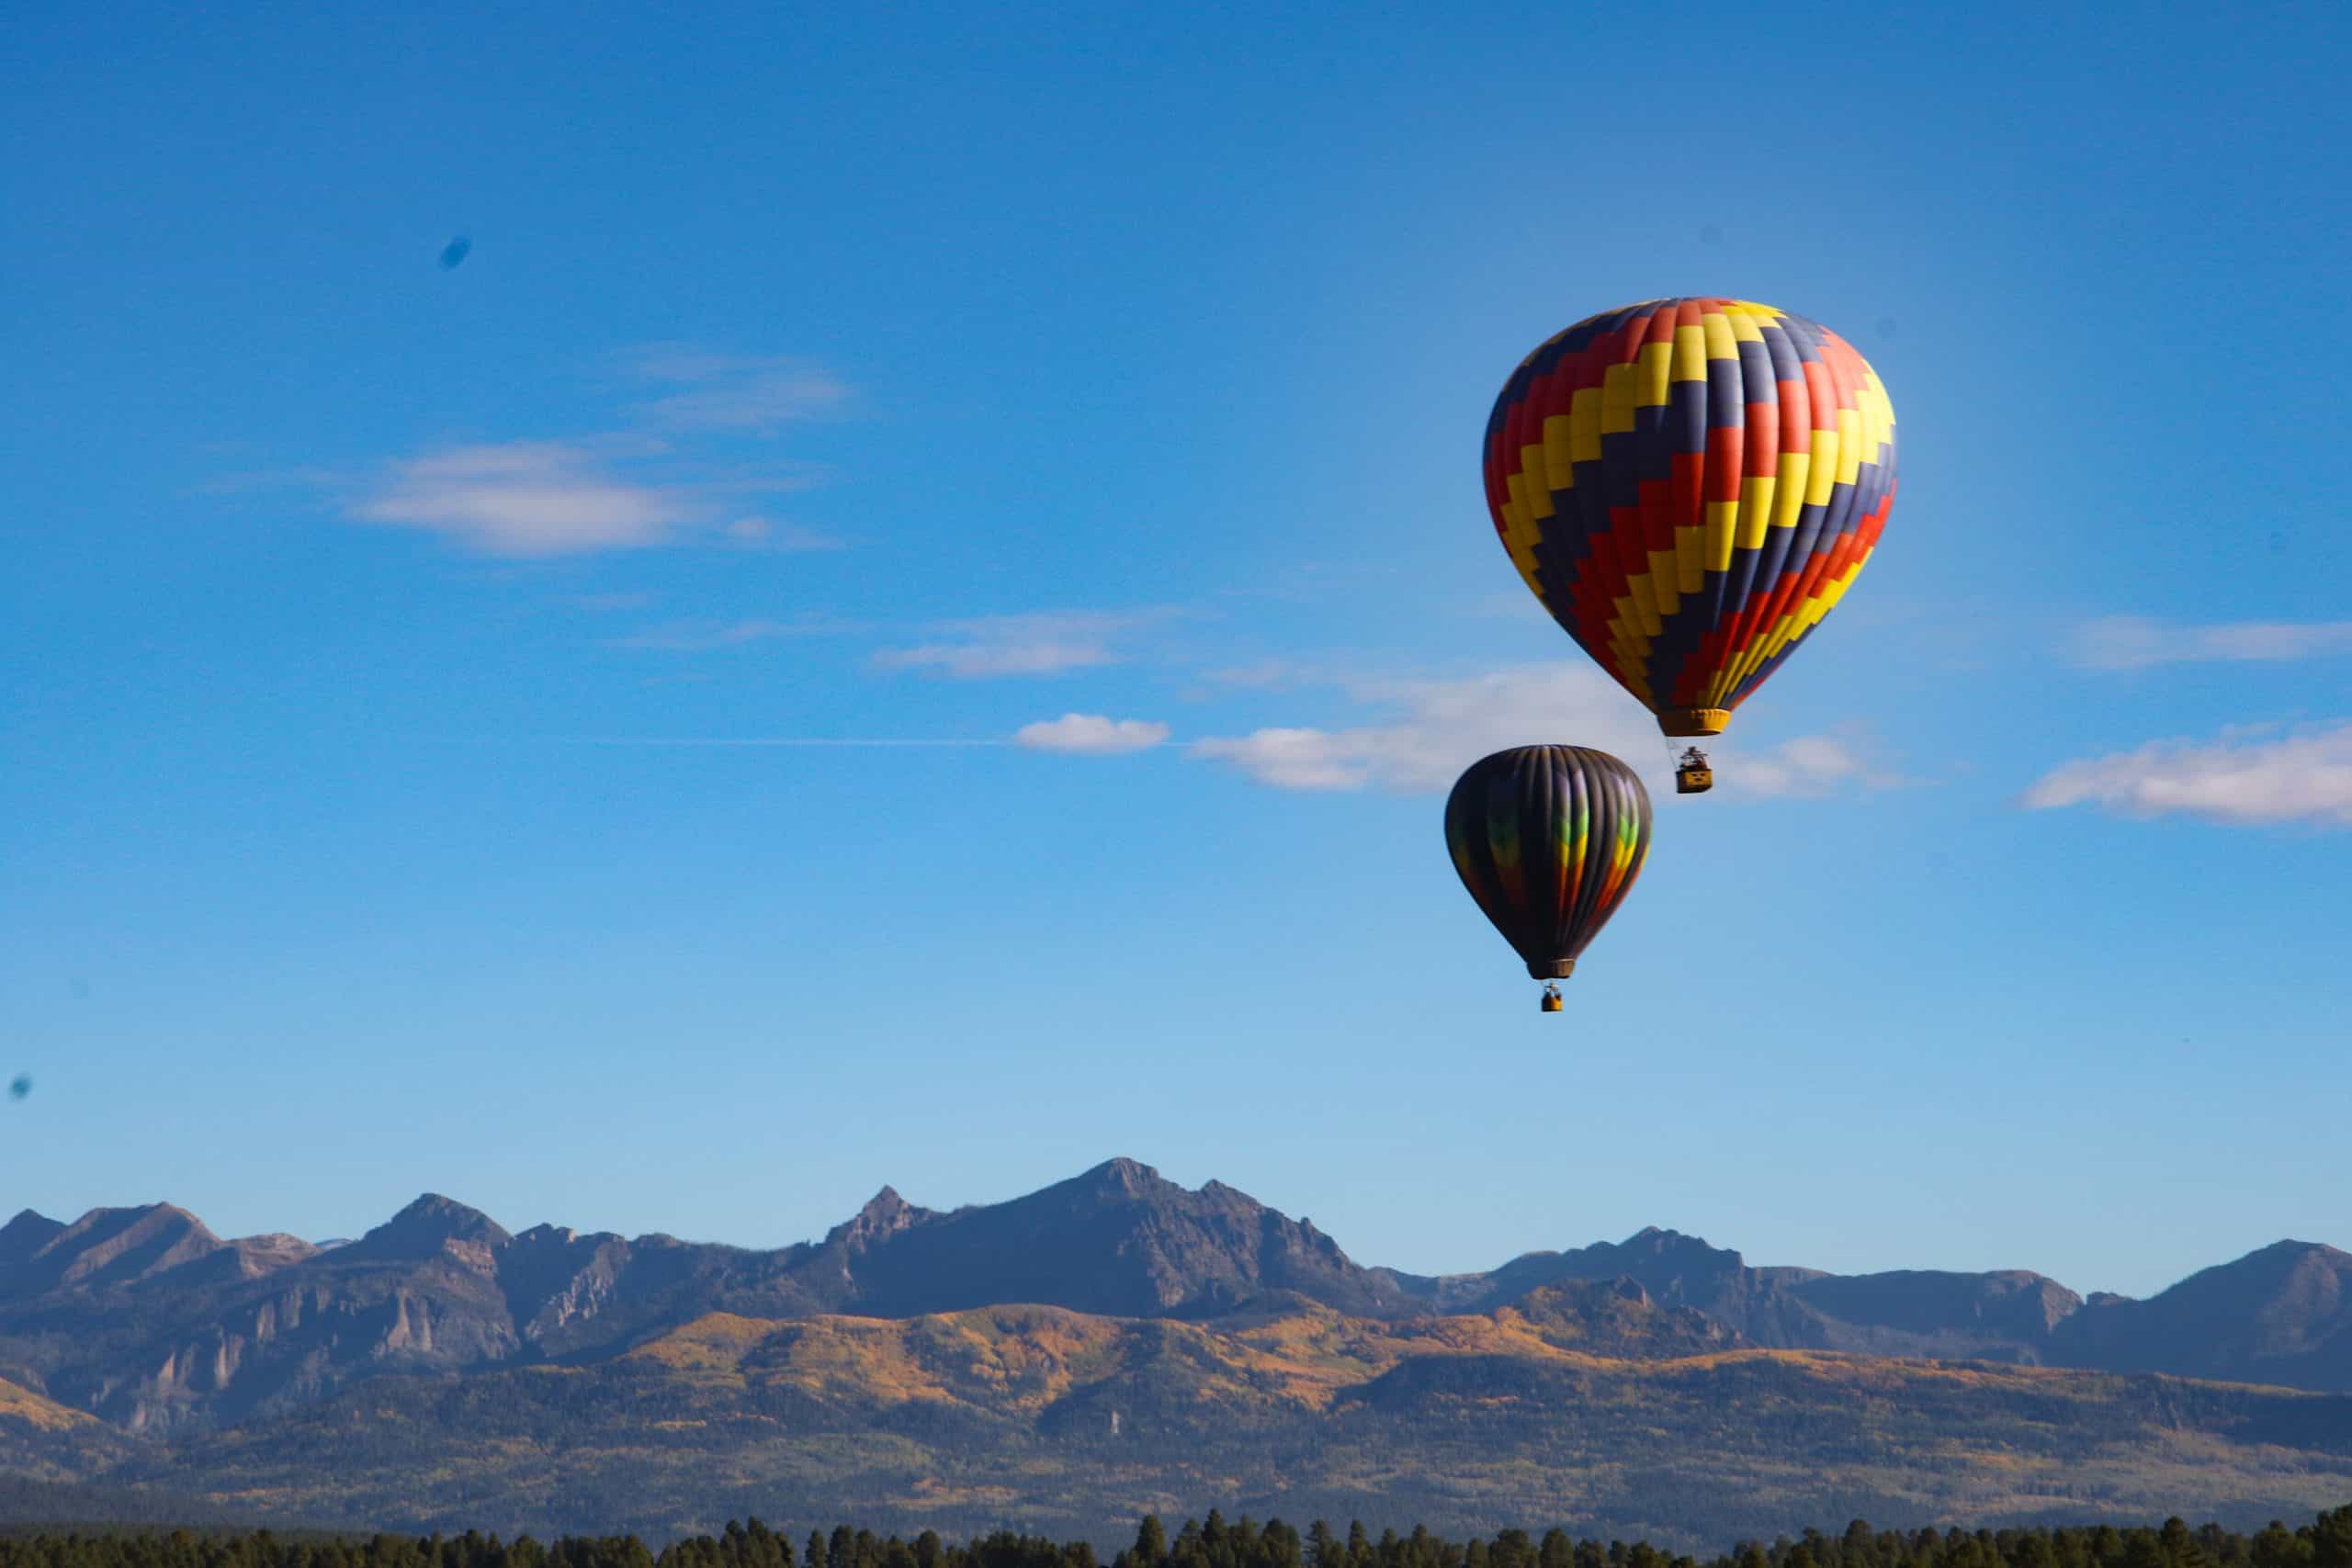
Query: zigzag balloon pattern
1690,486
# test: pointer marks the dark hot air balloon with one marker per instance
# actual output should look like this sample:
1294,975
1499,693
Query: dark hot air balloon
1548,840
1688,486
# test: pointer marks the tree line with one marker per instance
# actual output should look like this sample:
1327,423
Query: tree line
1214,1542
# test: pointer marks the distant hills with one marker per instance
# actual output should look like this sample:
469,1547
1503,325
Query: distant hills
1116,1342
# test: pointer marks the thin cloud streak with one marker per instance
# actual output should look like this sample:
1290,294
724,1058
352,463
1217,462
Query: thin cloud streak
1090,735
2133,642
750,740
695,636
1044,643
766,533
732,393
980,662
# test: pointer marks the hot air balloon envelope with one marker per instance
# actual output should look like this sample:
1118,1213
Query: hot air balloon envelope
1548,840
1689,485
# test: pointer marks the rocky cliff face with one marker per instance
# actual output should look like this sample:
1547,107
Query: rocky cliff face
1620,1320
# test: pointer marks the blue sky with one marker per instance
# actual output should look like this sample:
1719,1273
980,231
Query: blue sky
444,707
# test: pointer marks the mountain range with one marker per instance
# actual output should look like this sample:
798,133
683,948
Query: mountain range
1116,1342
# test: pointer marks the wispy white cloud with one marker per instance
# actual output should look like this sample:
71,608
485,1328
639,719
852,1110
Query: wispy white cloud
2132,642
978,661
696,636
1439,727
724,483
1268,674
1442,728
667,476
1090,735
1042,643
1807,766
724,742
524,499
732,392
1290,757
2245,778
529,499
766,533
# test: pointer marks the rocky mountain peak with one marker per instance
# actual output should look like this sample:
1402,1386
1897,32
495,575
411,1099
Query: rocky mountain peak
2281,1314
429,1226
2306,1252
885,1215
26,1235
103,1249
272,1249
1651,1241
1124,1177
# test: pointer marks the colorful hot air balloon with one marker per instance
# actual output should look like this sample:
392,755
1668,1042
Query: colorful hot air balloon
1548,840
1689,485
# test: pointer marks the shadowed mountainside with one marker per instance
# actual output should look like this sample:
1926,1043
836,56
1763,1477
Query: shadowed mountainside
145,1318
1078,1423
1118,1342
2281,1315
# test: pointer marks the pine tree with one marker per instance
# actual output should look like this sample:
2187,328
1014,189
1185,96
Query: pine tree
2331,1538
